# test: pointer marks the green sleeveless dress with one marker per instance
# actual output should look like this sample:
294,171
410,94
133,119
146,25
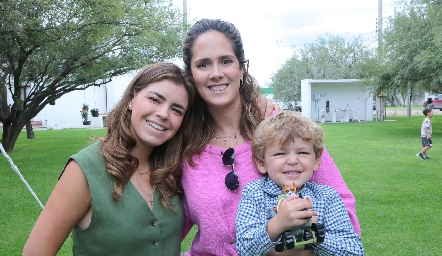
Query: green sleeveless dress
127,226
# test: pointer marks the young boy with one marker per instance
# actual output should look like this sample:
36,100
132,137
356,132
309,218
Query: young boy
426,133
288,147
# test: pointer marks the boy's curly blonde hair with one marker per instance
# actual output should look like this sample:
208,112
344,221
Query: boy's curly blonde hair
284,128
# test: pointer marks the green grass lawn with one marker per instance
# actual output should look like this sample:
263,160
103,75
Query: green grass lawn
398,196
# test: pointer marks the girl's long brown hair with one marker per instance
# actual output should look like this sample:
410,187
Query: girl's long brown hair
165,159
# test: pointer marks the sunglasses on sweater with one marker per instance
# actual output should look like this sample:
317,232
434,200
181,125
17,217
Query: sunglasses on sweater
231,180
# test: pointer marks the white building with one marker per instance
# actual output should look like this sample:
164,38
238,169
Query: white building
343,100
66,111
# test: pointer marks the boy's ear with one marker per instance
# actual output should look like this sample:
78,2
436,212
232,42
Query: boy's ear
259,163
316,165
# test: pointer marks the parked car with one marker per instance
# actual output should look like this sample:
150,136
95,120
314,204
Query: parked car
374,105
434,103
293,105
285,105
297,106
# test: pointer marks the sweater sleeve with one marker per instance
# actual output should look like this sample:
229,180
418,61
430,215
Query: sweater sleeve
328,174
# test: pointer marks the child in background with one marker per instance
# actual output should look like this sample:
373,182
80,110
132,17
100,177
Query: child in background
289,147
426,133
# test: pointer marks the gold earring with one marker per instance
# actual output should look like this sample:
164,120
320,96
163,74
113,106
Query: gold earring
241,85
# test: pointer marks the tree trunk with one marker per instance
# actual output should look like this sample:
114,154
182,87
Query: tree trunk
10,135
29,131
410,95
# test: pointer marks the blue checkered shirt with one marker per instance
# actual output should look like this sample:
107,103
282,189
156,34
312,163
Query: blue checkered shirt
255,210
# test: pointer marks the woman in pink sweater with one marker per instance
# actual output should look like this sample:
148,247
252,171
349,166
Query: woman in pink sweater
230,109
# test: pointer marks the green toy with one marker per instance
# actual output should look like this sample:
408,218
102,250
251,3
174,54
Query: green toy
302,237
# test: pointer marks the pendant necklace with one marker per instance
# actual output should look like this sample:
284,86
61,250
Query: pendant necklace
144,191
224,138
142,173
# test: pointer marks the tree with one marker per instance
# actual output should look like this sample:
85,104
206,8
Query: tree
286,81
50,48
413,48
331,57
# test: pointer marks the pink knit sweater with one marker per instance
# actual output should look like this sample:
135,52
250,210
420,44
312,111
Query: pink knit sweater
209,205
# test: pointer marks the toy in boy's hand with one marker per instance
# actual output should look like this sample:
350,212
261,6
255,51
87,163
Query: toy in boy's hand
288,192
302,237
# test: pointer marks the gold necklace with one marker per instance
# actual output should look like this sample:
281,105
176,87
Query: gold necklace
224,138
144,191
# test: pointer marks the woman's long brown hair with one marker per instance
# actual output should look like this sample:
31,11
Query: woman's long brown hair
165,159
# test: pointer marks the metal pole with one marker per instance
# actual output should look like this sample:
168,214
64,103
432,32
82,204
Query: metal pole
380,108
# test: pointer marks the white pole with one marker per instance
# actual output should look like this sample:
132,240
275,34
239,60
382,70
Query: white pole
380,109
14,167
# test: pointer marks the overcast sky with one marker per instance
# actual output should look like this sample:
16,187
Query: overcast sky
272,29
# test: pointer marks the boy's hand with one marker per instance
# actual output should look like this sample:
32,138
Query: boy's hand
293,212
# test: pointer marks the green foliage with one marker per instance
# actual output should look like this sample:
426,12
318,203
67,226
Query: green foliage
286,83
398,195
55,47
413,47
84,112
18,102
410,58
332,57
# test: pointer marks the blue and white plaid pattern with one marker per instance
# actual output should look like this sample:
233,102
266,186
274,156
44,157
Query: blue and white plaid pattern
255,210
